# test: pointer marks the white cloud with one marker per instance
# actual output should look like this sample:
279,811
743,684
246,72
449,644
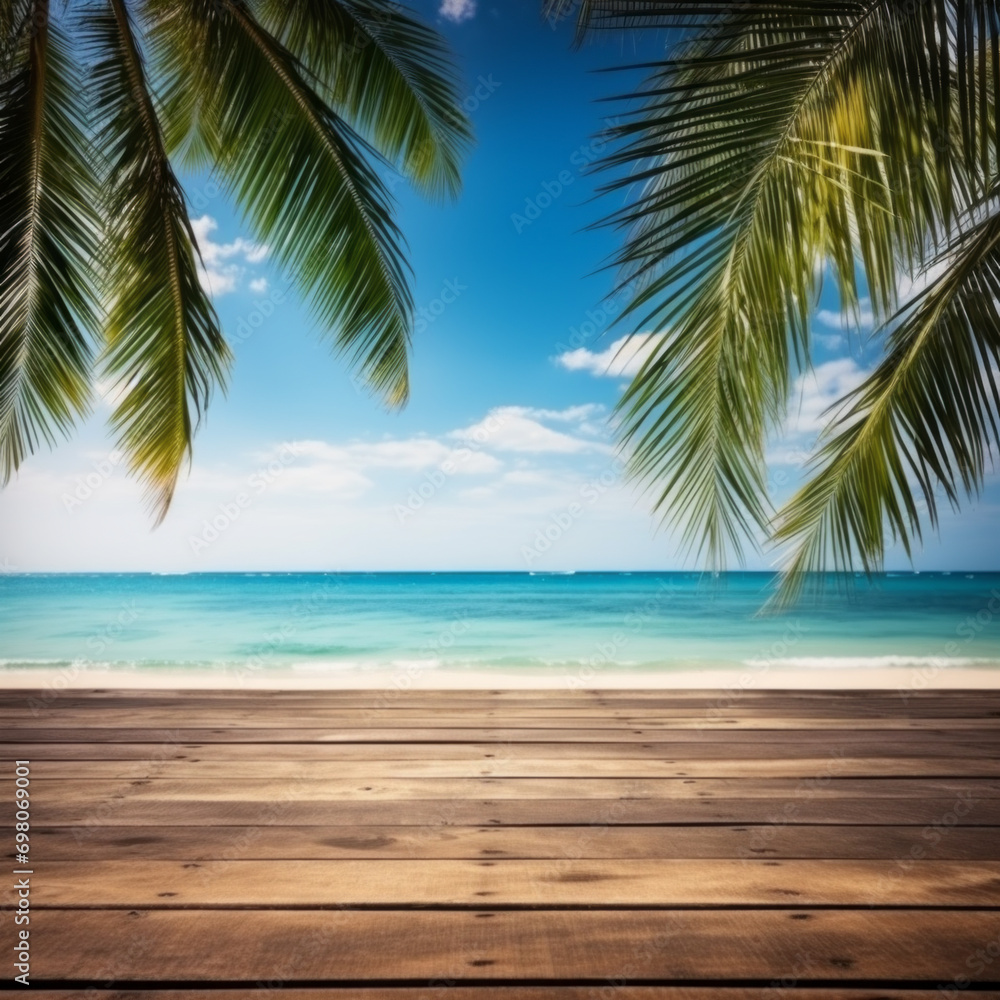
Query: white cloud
624,357
514,428
259,285
864,319
220,270
907,287
336,505
457,10
571,414
109,392
817,390
831,341
410,454
813,394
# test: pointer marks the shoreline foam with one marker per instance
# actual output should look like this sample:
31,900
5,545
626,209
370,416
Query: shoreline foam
727,680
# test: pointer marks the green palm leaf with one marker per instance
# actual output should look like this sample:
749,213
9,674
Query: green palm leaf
298,106
389,75
778,140
303,176
48,239
916,427
165,349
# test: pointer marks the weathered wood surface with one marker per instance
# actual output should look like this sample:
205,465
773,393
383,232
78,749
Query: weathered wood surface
899,844
438,947
126,809
513,845
807,769
971,740
554,882
522,993
930,748
305,787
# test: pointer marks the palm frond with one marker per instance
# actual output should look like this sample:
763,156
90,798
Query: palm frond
301,174
777,138
165,349
48,237
15,22
919,426
387,74
596,15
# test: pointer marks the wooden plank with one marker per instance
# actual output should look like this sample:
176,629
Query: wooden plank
492,753
296,946
899,844
132,810
551,883
972,738
520,767
206,714
467,725
592,807
446,992
304,787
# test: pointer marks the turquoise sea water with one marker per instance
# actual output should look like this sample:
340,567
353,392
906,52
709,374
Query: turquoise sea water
565,626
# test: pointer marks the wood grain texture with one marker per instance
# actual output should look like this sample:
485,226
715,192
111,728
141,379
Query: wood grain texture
305,787
521,993
510,845
125,809
442,947
575,727
930,749
811,768
974,737
555,882
899,844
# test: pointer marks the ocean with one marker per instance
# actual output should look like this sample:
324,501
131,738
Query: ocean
574,629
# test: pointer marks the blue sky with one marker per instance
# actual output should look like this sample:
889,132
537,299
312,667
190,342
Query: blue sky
505,444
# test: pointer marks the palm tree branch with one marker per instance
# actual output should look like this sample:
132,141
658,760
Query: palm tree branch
48,232
165,348
386,73
925,412
769,144
302,176
732,447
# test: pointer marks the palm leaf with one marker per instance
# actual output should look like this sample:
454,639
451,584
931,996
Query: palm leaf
48,237
917,427
302,175
165,349
776,139
15,23
386,73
